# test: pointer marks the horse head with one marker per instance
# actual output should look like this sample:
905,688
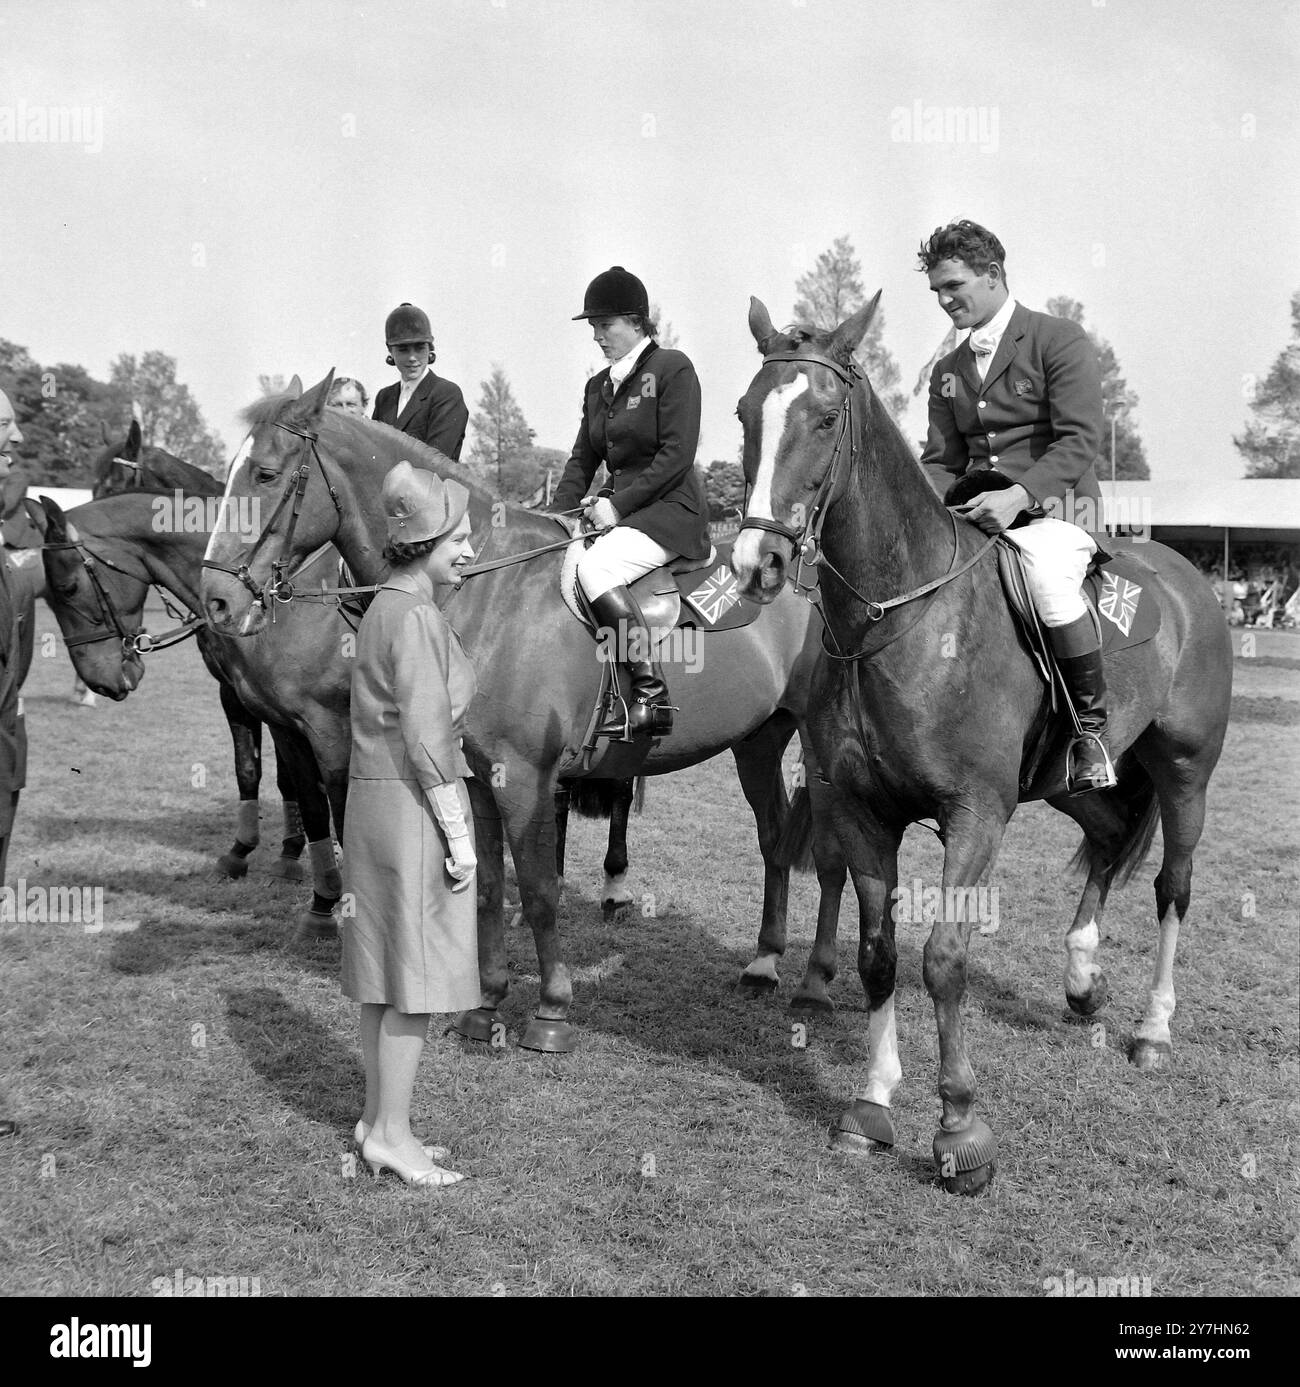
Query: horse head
797,450
93,606
280,504
118,467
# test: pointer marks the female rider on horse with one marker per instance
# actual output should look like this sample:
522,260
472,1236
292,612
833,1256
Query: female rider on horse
641,417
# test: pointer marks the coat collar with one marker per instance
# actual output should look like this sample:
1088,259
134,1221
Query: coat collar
610,395
1002,358
421,392
410,581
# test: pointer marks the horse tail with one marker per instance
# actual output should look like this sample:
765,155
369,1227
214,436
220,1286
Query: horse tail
1143,816
794,846
595,799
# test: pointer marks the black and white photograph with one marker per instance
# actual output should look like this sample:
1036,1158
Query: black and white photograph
649,652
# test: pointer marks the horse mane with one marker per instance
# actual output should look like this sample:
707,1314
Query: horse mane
272,409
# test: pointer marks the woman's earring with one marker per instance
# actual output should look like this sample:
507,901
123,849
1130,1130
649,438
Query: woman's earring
390,361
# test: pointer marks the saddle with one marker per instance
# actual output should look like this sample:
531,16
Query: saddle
687,594
1116,589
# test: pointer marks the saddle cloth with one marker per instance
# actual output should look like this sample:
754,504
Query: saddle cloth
1118,593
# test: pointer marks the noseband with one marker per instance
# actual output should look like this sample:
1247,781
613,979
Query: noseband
279,585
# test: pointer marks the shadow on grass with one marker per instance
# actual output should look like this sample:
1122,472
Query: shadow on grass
296,1056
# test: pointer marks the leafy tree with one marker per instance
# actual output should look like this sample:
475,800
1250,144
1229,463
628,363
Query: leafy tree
724,486
667,335
61,411
826,295
170,416
1118,401
502,440
1271,443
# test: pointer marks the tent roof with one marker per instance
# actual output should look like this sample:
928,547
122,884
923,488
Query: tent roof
1240,503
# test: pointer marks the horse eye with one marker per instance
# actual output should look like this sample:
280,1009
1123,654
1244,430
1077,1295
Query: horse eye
829,419
262,475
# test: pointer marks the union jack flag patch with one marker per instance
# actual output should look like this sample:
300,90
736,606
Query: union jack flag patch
1118,602
716,595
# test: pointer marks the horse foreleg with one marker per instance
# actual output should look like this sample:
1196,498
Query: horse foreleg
964,1147
287,866
615,895
484,1023
871,850
813,992
295,751
758,763
246,734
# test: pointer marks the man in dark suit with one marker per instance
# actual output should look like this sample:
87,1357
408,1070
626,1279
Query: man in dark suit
420,404
641,418
17,618
1016,413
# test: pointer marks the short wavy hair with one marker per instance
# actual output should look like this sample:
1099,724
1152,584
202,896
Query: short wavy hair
400,552
341,383
968,241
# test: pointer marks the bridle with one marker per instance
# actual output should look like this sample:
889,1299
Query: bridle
279,585
110,625
806,542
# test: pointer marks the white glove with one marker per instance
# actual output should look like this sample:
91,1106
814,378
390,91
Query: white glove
462,863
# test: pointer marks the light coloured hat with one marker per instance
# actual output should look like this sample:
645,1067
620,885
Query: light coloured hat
419,505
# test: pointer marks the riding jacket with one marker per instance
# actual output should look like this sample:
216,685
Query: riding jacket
646,431
435,413
1036,417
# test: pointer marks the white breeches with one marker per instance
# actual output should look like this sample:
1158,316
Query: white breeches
1056,555
618,557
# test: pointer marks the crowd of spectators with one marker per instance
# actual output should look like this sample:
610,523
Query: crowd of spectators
1262,581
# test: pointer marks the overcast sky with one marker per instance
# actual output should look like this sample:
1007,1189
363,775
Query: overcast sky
257,184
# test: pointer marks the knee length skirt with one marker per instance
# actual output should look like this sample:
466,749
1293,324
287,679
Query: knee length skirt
413,941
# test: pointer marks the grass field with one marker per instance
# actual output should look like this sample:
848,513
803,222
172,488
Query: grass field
186,1080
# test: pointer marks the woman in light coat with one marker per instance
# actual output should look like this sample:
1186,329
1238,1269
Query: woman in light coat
409,862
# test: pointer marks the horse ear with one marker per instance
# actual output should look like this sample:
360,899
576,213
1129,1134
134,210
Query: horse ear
134,437
848,336
56,523
294,387
312,404
760,321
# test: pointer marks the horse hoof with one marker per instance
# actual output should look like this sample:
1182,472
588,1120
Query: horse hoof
233,866
550,1035
483,1025
966,1159
817,1002
760,978
863,1129
1093,1000
1150,1055
287,869
313,927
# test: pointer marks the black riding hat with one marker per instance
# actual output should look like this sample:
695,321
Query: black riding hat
406,323
614,294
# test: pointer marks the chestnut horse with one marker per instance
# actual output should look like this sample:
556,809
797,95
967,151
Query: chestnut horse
317,474
928,709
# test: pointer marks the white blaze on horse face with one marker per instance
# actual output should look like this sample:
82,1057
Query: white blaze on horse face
776,410
223,526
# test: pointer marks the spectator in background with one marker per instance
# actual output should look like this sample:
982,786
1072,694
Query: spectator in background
349,395
420,404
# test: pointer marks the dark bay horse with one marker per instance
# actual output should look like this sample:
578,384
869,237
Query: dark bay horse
317,474
131,464
100,560
928,712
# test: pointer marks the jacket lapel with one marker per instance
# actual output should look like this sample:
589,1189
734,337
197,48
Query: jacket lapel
418,396
967,368
651,347
1009,346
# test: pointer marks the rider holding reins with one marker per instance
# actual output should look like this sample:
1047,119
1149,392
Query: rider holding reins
1020,400
641,417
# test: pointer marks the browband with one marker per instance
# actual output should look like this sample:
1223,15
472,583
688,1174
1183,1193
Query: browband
846,373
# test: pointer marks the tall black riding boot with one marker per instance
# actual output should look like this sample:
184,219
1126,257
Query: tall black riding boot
1079,657
648,708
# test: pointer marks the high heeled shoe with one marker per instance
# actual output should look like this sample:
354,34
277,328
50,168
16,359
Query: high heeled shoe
379,1158
437,1154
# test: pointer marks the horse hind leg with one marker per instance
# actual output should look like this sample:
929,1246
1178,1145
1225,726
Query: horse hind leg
758,764
246,735
813,992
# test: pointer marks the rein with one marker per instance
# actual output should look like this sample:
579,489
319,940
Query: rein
807,542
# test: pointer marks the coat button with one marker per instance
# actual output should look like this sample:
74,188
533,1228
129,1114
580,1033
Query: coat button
618,471
993,457
983,404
